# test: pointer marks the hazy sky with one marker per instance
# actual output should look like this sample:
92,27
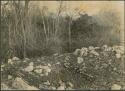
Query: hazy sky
91,7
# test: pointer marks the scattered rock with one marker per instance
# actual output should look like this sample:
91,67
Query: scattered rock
31,63
15,58
43,70
53,88
66,64
91,48
1,69
118,56
32,88
94,53
29,68
115,87
49,64
46,68
46,73
82,65
5,87
104,46
56,54
58,63
97,48
38,71
108,49
41,74
70,84
10,61
118,49
67,58
77,52
62,86
115,69
38,60
24,61
79,60
69,88
46,83
2,65
9,77
83,52
20,84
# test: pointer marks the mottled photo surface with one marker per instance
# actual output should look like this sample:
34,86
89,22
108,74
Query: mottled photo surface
62,45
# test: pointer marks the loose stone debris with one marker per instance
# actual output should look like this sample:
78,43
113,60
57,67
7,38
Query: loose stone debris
92,68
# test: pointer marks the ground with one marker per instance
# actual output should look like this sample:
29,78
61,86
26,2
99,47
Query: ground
92,68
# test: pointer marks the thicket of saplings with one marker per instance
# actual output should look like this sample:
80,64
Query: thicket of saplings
28,31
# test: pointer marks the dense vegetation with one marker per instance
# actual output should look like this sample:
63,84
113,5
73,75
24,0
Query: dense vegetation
28,31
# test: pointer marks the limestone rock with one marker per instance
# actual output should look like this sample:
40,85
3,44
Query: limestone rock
5,87
53,88
62,86
91,48
118,56
29,68
94,53
77,52
38,71
15,58
20,84
9,77
10,61
31,63
47,83
70,84
79,60
115,87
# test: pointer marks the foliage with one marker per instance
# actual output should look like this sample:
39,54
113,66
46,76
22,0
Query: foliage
28,31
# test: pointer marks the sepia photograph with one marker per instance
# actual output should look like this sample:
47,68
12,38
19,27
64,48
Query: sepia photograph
62,45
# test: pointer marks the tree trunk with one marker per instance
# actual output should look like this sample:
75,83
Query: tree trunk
25,26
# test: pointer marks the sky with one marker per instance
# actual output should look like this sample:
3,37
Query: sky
91,7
